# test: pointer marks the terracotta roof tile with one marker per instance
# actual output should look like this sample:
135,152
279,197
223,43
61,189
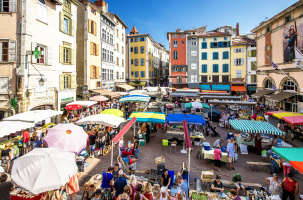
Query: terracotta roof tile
134,30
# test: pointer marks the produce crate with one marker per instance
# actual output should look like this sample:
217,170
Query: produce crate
82,168
160,160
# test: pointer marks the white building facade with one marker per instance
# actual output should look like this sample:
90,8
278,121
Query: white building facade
251,68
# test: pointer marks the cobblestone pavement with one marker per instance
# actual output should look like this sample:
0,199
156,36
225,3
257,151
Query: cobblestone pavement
153,149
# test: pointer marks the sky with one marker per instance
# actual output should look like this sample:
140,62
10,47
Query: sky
157,17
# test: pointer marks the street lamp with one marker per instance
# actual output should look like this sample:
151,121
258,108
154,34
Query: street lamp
41,81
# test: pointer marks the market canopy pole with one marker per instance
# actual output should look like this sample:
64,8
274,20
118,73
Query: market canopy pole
188,144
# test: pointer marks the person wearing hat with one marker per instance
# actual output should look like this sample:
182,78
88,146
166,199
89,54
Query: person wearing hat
217,185
6,157
275,185
163,195
97,195
217,156
292,42
5,187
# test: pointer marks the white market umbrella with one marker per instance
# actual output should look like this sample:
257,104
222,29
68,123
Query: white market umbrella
105,119
196,105
43,169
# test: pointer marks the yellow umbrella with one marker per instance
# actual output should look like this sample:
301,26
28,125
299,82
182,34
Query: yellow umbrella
286,114
116,112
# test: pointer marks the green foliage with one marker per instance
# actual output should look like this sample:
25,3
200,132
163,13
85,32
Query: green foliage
14,103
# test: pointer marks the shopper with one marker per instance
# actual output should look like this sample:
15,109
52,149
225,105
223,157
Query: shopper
120,183
163,195
217,156
26,142
184,186
217,185
218,142
5,187
120,146
290,187
6,157
258,145
286,168
231,154
237,179
92,141
147,188
97,195
139,193
125,195
275,184
234,194
107,178
120,163
73,186
166,179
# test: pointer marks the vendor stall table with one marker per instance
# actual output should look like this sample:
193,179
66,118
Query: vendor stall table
128,153
210,155
254,165
23,198
87,193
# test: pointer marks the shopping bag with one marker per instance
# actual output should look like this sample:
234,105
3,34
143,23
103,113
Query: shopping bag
264,153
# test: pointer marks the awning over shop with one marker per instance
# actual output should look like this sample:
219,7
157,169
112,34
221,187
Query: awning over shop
262,93
251,87
135,98
190,119
221,87
126,87
273,112
187,90
124,130
280,96
34,116
194,85
223,97
8,127
151,117
251,126
238,88
196,105
294,120
292,155
240,103
142,83
104,119
205,87
286,114
211,93
83,103
183,94
108,93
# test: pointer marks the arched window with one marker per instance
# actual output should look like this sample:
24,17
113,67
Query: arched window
289,85
268,84
42,1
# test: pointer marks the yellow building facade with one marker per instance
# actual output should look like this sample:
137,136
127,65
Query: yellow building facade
238,62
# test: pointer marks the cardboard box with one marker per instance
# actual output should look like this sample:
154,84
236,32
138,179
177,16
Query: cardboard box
160,160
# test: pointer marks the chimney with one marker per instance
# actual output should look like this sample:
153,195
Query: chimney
102,5
237,29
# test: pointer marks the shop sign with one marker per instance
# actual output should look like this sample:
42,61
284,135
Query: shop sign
67,99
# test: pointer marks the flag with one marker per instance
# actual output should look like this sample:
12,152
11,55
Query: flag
299,58
274,87
272,63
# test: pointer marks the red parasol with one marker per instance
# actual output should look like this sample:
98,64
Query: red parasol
73,107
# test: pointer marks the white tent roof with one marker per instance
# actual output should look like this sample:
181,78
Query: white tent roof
123,93
8,127
105,119
83,103
240,103
33,116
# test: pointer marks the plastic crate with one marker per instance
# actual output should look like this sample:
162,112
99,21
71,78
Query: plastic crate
141,142
83,167
165,142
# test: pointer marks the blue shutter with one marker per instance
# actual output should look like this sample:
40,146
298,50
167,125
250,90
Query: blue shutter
235,61
220,44
212,45
242,61
204,45
228,45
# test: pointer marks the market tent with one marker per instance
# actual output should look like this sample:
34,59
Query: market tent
294,120
187,90
116,112
280,96
273,112
205,87
83,103
240,103
193,85
251,126
262,93
8,127
105,119
126,87
142,83
292,155
98,98
196,105
223,97
213,93
137,92
122,93
107,93
286,114
220,87
183,94
34,116
135,98
190,119
151,117
124,130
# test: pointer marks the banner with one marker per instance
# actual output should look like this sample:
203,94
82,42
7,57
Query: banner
292,35
299,58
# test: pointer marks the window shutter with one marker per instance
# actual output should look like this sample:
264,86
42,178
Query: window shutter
49,55
220,44
73,28
34,59
242,61
97,50
242,49
249,53
91,48
228,44
91,72
12,5
12,50
72,82
89,26
61,80
61,50
212,45
235,61
97,73
61,21
95,28
73,56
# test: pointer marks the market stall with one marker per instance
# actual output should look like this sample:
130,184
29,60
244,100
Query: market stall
292,155
135,98
98,98
104,119
8,127
83,103
150,117
34,116
115,112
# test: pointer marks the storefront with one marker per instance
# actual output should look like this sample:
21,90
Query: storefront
65,97
109,86
251,88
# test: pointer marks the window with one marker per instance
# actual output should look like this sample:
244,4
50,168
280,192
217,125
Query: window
122,39
238,73
225,79
179,79
136,39
4,51
107,37
117,62
194,42
268,84
142,49
136,74
111,59
214,44
122,77
182,41
215,55
41,56
136,62
103,34
204,39
93,11
92,28
117,47
223,44
66,55
287,19
215,79
67,81
94,72
136,50
182,36
103,74
111,74
175,36
131,49
142,61
152,74
117,75
253,66
215,39
175,55
225,55
117,32
103,54
132,73
215,68
175,42
204,45
204,79
132,61
204,56
252,53
225,38
123,50
41,11
107,55
239,50
193,53
8,5
253,79
94,49
66,25
238,61
289,85
142,39
225,68
268,29
142,74
204,68
4,85
149,62
122,62
131,39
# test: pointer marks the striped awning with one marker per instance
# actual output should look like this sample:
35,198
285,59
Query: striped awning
250,126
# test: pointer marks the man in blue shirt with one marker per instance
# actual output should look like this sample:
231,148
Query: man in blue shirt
107,178
231,153
120,183
184,186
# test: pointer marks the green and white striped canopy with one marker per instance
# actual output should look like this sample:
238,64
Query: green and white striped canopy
250,126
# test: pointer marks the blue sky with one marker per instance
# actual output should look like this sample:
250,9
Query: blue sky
157,17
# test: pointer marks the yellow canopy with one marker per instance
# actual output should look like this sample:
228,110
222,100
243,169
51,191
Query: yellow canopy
286,114
142,83
151,117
